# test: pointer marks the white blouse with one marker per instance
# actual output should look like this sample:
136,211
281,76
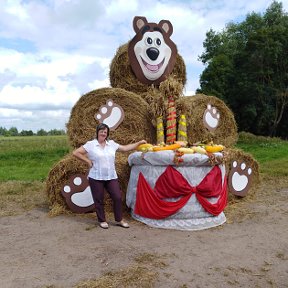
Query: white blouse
103,159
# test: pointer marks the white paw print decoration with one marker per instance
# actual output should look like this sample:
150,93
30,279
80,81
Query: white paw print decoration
211,118
240,177
110,114
77,194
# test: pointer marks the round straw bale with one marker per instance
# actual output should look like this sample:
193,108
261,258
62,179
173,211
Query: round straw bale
58,176
123,171
136,125
122,76
233,154
194,107
69,166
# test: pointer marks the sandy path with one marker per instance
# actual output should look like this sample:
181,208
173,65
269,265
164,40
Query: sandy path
38,251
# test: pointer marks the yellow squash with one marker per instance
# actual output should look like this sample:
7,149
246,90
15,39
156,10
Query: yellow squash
199,149
186,150
214,148
167,147
144,147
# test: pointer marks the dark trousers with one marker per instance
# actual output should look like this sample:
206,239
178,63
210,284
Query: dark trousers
113,188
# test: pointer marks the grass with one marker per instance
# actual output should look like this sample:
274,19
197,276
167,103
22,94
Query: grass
19,196
30,158
24,166
271,153
26,162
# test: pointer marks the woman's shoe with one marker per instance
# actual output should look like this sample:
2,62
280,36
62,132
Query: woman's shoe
104,225
122,224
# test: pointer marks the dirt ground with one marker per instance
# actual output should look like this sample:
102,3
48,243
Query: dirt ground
250,250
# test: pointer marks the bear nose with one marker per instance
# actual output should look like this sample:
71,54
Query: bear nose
152,53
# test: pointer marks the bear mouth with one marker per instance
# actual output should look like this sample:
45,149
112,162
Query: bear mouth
153,68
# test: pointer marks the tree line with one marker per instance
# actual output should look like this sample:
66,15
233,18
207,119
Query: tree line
13,131
247,67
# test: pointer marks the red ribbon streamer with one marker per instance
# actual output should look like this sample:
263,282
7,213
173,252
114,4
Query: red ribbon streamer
171,184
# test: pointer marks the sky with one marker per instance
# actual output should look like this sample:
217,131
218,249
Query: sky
54,51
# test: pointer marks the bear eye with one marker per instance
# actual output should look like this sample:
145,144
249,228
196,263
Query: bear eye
149,41
158,42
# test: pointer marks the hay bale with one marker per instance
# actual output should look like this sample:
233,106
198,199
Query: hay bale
123,171
58,176
120,67
232,154
69,166
136,125
194,108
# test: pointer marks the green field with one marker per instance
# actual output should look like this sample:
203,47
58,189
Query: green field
30,158
26,161
24,165
271,153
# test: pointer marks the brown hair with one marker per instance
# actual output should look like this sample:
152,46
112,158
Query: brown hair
102,126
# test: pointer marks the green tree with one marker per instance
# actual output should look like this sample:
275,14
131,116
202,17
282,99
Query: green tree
13,131
26,133
56,132
247,67
3,131
42,132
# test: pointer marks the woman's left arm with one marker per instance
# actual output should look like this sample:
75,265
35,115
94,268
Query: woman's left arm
132,146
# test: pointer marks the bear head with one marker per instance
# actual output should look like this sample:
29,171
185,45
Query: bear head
151,52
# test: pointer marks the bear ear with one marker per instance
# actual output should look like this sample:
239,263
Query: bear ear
138,23
166,26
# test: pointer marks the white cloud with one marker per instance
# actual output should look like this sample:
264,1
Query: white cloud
34,120
54,51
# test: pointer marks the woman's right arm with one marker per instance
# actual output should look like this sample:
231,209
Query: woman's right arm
81,154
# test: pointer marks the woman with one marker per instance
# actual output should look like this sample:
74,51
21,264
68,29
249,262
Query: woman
99,154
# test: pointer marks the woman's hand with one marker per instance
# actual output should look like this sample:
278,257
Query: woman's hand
129,147
90,163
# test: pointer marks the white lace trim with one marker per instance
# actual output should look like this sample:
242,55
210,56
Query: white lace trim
183,224
190,217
